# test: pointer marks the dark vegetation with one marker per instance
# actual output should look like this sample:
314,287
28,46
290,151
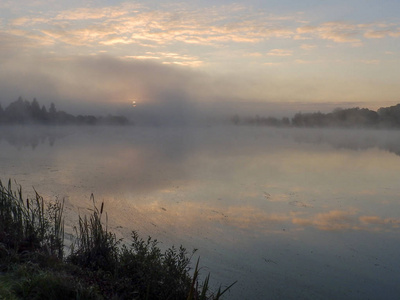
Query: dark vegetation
33,264
385,117
25,112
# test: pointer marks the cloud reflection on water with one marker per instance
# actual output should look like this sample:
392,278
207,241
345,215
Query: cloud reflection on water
259,179
243,196
252,221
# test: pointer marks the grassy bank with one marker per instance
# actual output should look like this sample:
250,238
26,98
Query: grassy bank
34,265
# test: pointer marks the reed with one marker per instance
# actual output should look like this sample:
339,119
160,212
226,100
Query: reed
95,247
33,263
27,226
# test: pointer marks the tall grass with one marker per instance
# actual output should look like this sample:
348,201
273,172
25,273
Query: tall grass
26,226
98,265
94,247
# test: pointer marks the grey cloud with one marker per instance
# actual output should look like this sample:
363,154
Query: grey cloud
103,84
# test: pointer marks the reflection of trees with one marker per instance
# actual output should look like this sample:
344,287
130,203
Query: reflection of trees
20,138
352,139
261,121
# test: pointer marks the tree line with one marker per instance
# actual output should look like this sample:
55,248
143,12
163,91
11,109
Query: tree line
25,112
384,117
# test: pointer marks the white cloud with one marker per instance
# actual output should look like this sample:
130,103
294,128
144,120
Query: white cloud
208,26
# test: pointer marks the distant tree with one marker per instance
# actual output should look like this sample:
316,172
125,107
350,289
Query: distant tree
36,112
24,112
18,111
2,115
389,116
52,109
270,121
235,119
113,120
354,117
64,118
52,114
285,121
298,120
44,114
44,110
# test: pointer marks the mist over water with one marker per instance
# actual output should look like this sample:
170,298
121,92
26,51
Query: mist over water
289,213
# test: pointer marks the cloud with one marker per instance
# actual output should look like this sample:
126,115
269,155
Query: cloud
345,32
272,64
370,61
170,58
100,79
254,54
280,52
92,13
132,23
20,21
79,81
380,34
102,83
339,32
308,46
376,34
372,220
303,62
175,24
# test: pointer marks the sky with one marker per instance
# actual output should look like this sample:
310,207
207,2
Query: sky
250,56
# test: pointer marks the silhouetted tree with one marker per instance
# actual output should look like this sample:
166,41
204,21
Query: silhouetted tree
18,111
36,112
22,112
52,109
352,117
297,120
2,115
285,121
389,116
44,114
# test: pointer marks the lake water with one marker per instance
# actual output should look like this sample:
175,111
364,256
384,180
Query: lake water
288,213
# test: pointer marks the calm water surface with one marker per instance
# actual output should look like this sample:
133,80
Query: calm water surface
289,213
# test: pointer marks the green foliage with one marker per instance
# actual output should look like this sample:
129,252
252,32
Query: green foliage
34,267
28,281
155,274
